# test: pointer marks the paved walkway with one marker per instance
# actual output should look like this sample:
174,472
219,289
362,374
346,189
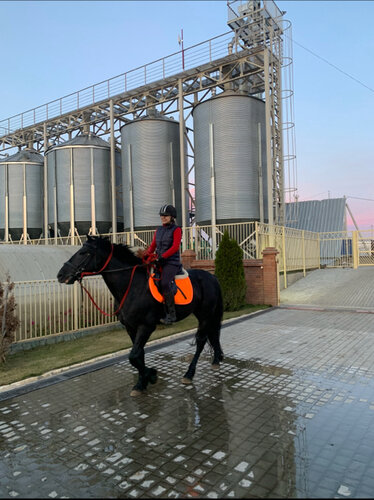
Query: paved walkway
289,415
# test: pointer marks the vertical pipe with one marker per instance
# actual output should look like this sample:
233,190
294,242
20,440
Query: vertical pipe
212,188
172,186
55,212
260,178
93,202
113,172
45,187
284,257
182,162
72,215
303,242
24,206
6,231
131,194
269,159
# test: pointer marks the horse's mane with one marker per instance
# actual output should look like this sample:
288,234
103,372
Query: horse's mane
124,253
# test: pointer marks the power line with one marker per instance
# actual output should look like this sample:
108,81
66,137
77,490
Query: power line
331,64
357,198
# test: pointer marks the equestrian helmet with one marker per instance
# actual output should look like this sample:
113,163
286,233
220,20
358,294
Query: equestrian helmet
168,210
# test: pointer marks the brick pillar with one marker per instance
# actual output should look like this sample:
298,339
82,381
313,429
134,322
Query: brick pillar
187,257
270,273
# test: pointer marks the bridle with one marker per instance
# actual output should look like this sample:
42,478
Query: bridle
80,274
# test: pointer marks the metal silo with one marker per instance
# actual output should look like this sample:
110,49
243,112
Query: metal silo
150,171
230,159
21,195
79,186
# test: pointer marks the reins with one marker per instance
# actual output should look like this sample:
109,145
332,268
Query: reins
92,273
122,300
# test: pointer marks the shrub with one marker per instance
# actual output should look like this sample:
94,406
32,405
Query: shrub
8,319
229,270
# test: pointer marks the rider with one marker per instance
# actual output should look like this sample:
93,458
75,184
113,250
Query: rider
166,241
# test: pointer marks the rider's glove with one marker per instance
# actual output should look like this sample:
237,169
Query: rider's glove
161,261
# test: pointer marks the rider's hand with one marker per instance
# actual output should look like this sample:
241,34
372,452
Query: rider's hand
161,261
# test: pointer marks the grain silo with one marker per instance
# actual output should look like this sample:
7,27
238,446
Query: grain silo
230,159
79,185
150,171
21,195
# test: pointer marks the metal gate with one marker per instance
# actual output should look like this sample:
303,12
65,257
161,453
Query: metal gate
364,247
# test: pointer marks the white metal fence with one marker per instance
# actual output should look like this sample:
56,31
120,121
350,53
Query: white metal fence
48,308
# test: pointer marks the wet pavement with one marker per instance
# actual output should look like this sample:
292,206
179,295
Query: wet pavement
290,414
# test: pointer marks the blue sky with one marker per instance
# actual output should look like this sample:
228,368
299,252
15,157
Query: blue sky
50,49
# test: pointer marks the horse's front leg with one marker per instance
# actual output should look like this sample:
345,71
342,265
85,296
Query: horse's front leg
136,358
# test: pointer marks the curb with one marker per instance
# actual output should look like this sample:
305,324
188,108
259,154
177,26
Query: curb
67,372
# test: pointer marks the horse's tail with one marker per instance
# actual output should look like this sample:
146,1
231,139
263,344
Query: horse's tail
215,323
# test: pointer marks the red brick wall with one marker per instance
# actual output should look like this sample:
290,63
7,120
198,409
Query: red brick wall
261,275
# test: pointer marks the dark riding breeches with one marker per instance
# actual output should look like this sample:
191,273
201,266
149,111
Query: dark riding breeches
168,274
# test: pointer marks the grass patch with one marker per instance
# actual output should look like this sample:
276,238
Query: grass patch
39,360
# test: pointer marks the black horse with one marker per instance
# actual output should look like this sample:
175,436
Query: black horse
126,276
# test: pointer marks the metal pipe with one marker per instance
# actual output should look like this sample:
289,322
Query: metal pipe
269,160
6,231
212,189
182,161
45,194
24,206
260,178
113,171
72,215
93,203
131,194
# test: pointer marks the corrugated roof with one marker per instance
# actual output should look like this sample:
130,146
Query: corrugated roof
317,215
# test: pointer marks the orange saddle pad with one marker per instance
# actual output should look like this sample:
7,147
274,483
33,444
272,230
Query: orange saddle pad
184,293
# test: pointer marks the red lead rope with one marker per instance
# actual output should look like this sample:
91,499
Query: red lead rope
122,301
89,273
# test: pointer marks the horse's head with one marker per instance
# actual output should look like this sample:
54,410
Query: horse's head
91,258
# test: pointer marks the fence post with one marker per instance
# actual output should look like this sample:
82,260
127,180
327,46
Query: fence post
355,252
284,257
303,240
319,251
76,306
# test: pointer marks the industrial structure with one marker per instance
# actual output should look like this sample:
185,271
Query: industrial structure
211,120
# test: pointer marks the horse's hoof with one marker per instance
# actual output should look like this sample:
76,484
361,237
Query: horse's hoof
186,381
152,377
136,392
215,366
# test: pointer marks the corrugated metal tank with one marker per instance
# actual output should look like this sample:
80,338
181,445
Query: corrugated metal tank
232,120
21,180
150,170
84,160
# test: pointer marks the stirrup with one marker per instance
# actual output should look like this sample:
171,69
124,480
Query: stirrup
167,320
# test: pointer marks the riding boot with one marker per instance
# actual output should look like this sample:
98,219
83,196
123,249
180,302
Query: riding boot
170,316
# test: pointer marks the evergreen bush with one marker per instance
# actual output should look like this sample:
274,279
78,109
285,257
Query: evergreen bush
229,271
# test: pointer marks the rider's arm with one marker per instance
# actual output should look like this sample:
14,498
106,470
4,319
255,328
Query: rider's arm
152,246
177,237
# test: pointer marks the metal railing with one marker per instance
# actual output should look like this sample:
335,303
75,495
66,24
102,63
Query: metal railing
201,53
48,308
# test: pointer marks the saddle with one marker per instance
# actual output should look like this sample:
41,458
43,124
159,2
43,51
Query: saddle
181,286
